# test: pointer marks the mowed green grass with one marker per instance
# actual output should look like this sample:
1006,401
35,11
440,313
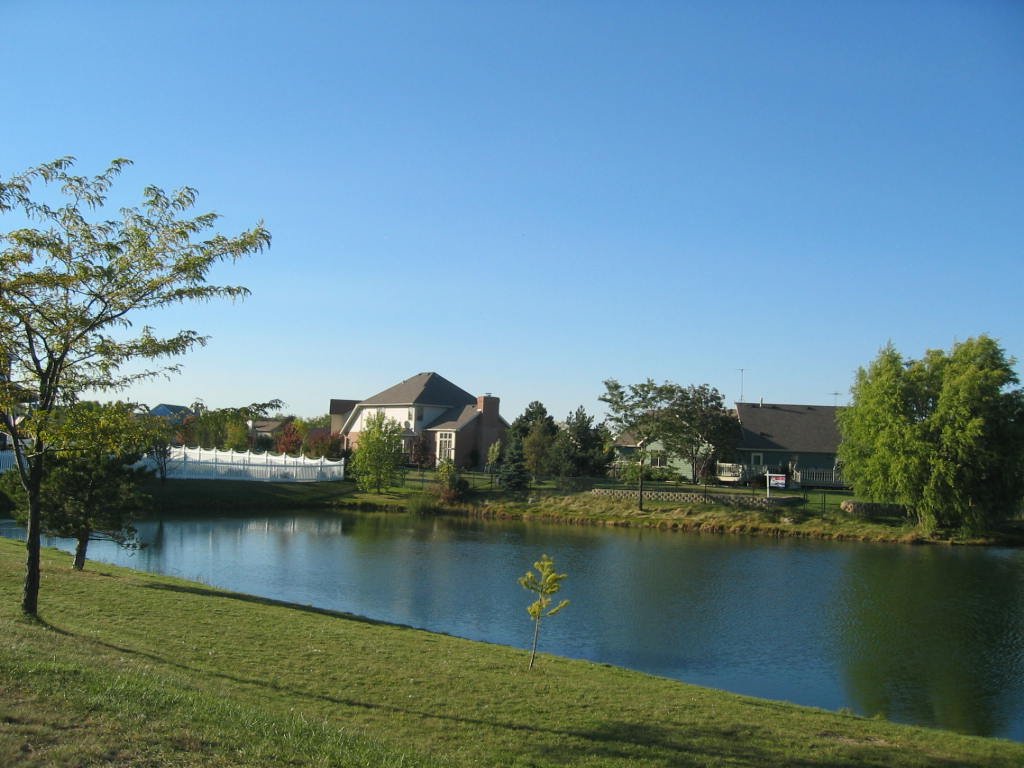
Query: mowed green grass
130,669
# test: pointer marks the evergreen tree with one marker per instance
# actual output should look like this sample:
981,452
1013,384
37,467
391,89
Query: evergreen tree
534,413
514,476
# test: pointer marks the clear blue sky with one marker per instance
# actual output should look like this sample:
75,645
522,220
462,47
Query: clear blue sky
532,197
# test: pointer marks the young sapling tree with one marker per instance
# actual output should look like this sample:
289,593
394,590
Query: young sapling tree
544,583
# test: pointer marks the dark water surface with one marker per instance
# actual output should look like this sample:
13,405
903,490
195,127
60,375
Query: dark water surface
927,635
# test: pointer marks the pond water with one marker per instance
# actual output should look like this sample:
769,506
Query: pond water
927,635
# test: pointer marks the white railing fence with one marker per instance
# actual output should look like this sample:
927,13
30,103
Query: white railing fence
212,464
821,478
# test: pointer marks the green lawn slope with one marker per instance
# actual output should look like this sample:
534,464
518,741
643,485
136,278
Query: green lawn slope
131,669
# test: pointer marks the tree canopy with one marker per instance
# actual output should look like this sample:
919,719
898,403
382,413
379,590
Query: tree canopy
535,415
698,427
90,489
378,453
691,421
943,436
69,287
581,448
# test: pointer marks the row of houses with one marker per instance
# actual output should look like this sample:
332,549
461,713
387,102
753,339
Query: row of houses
798,440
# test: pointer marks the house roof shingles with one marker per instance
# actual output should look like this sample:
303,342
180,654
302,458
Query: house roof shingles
423,389
340,407
780,427
455,418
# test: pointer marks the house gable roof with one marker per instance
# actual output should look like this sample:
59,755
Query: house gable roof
341,407
454,419
783,427
423,389
166,409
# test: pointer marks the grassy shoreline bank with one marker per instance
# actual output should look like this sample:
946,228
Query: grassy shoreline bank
128,668
580,508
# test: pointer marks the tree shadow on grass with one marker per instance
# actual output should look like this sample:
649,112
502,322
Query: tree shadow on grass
217,593
618,741
632,743
623,741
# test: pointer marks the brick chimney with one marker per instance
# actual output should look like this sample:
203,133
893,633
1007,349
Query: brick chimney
488,405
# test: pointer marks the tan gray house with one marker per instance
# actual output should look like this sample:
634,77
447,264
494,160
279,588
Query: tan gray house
458,425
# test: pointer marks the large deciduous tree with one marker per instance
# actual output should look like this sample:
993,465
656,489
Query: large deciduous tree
639,410
691,421
698,427
943,435
70,284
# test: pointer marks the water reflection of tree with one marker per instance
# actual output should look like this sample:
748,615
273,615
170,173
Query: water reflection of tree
934,636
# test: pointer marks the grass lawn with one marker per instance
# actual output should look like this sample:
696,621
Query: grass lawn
131,669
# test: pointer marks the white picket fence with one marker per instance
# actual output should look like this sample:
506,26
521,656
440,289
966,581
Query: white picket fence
212,464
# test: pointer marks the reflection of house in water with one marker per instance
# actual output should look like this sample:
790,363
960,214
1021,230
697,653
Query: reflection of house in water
799,440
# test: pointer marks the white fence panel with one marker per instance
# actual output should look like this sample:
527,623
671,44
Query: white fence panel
212,464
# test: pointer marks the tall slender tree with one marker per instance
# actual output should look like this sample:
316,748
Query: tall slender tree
69,288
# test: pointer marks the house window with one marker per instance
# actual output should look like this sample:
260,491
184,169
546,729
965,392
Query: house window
445,445
659,459
757,459
419,413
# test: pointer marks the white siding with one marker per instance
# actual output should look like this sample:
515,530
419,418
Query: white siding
401,415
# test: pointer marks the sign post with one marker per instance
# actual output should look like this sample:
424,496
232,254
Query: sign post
773,481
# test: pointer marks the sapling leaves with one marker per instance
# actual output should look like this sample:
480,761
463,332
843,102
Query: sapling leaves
544,581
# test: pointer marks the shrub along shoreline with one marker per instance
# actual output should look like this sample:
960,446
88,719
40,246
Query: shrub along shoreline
576,508
132,668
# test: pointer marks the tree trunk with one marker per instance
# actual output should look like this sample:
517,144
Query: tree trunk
536,635
80,548
30,597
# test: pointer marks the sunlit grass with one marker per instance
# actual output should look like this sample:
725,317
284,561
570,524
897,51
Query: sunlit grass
127,668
